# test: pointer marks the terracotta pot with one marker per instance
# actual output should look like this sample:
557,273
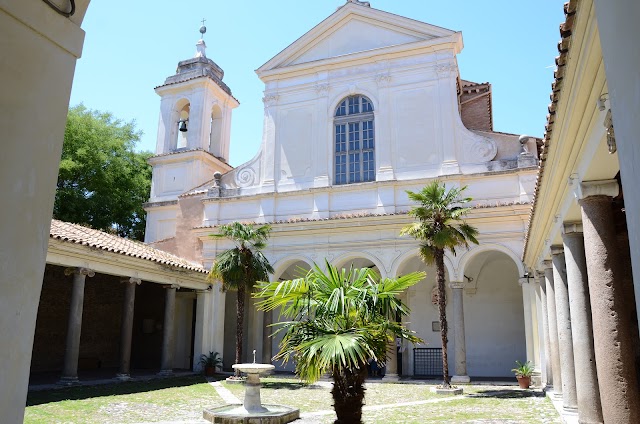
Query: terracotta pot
209,371
524,382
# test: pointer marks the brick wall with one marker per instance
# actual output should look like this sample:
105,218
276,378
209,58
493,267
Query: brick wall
100,336
476,114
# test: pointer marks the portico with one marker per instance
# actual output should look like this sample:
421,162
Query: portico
121,304
578,236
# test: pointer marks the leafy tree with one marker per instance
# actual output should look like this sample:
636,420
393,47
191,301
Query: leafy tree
439,228
102,181
241,267
338,320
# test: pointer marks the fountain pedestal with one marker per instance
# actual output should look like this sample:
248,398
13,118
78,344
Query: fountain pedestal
252,402
252,410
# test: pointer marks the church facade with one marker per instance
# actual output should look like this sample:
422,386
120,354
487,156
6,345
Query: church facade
360,109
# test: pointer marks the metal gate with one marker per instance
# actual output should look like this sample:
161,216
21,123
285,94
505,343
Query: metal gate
427,362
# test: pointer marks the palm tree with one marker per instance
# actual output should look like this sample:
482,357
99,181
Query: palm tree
338,320
439,228
241,267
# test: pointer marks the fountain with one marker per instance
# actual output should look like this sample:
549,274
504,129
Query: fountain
252,410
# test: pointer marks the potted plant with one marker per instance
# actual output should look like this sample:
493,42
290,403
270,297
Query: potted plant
523,374
210,362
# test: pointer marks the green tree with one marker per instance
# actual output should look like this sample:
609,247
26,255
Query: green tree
102,181
440,228
337,321
241,267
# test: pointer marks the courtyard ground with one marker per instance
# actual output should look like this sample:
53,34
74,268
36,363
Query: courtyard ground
181,400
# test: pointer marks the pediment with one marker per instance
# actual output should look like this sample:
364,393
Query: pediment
353,29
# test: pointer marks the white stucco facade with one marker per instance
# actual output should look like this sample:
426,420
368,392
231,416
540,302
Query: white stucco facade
407,71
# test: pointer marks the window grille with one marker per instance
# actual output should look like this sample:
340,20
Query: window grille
427,362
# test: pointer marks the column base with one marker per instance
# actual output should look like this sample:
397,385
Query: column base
536,379
68,381
165,373
123,377
390,378
460,379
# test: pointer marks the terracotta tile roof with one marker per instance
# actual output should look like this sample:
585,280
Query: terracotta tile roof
366,215
74,233
556,89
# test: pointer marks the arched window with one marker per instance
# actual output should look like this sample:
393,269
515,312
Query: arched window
354,141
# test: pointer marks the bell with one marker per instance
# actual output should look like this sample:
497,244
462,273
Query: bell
183,126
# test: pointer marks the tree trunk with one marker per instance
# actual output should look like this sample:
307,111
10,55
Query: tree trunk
348,394
240,324
442,305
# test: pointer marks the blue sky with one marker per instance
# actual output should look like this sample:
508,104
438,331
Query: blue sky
131,47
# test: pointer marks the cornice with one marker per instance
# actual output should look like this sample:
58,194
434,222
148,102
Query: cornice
352,59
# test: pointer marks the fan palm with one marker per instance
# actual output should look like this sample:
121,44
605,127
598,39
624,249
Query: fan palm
440,228
240,267
338,320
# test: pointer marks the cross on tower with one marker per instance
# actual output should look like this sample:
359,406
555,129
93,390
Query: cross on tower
203,28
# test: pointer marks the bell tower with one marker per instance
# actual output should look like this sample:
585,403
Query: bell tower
194,128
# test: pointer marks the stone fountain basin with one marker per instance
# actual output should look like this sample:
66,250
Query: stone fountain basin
254,368
232,414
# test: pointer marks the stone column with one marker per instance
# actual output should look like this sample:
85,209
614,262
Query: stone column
538,333
267,342
166,363
391,372
74,326
548,373
528,318
126,328
612,335
563,321
460,348
587,391
554,347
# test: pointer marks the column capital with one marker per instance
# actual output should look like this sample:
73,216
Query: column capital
557,249
456,284
609,188
171,286
523,281
547,265
131,280
572,228
79,271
